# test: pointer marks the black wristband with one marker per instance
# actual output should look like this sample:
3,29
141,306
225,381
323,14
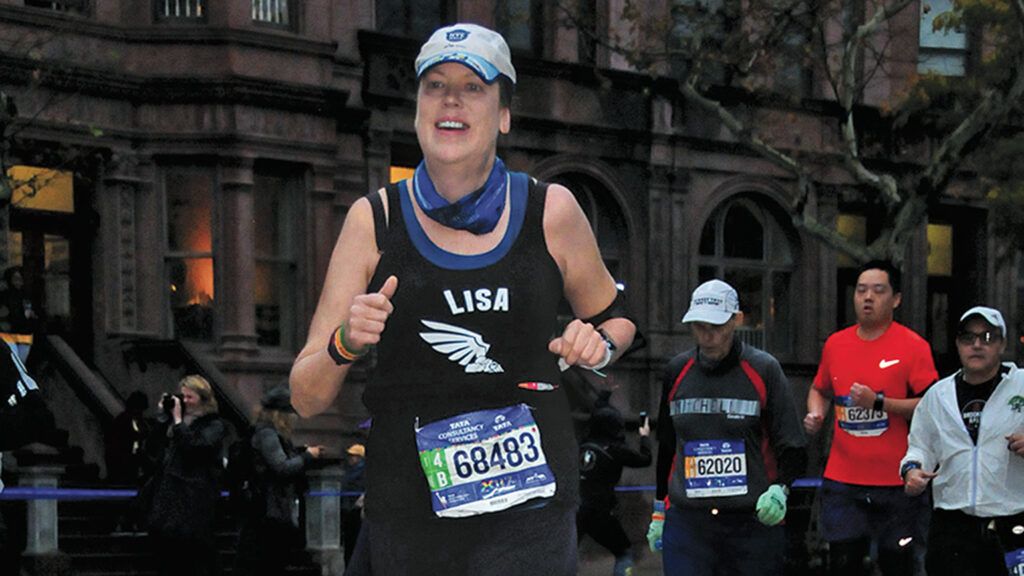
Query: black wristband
879,401
907,467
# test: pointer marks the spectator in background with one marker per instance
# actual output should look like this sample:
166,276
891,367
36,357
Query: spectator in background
967,436
603,454
352,506
271,525
17,317
185,488
875,372
125,442
125,453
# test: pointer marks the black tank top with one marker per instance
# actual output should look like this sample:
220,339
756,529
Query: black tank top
465,332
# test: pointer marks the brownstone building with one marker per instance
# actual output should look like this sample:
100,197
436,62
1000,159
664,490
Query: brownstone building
194,161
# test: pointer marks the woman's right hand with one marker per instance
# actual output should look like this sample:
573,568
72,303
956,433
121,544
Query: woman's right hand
368,316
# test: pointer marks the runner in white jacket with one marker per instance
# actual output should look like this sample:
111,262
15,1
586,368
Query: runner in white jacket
967,437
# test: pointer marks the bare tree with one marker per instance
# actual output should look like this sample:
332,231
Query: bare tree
901,155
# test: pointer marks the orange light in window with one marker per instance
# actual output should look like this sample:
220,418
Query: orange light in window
200,281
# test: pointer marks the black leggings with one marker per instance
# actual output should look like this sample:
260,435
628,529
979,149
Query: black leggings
850,558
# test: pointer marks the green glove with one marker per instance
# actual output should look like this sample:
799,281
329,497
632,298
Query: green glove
657,526
771,506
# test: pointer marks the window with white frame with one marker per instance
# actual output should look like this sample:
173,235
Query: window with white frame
745,244
273,12
180,9
940,51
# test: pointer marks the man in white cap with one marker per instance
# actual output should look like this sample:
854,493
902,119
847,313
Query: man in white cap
729,444
967,438
455,277
874,372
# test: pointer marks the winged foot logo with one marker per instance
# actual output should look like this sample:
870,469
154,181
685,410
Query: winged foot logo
465,347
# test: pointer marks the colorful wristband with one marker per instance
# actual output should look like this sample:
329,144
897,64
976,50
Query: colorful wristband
339,352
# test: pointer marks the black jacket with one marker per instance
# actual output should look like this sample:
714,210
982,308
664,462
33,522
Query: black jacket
187,486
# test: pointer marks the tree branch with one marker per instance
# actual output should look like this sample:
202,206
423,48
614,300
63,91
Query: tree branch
849,87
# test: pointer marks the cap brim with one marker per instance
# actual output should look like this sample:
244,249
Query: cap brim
484,69
710,316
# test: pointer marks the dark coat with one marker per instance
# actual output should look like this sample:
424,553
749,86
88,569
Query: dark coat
280,473
186,487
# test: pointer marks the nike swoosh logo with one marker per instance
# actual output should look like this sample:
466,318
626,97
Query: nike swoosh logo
883,364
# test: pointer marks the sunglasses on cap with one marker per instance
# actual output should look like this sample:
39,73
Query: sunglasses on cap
987,337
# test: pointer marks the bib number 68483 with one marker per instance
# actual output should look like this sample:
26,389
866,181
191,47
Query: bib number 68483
510,452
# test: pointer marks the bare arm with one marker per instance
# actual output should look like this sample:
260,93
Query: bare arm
817,407
588,285
315,378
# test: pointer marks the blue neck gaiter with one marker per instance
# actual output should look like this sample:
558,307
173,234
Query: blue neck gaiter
477,212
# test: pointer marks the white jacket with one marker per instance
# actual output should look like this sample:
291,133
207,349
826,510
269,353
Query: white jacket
986,480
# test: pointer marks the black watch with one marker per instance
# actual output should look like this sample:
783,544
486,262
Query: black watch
879,401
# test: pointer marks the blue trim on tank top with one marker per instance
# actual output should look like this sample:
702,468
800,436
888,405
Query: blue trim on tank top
518,192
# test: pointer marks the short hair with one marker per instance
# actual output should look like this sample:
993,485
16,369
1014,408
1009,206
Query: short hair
506,89
888,268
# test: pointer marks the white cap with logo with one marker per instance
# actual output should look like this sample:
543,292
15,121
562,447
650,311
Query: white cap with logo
482,50
990,315
713,302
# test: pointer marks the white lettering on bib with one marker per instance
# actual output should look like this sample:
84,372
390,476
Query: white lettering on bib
858,421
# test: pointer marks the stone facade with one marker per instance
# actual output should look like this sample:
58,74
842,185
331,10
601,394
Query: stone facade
222,111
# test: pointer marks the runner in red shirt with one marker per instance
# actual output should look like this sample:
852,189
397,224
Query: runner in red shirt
874,373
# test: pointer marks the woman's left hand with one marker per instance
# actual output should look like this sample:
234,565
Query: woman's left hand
580,344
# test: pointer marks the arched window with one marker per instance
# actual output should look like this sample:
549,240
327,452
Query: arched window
745,244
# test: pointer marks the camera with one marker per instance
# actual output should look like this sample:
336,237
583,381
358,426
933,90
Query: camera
167,403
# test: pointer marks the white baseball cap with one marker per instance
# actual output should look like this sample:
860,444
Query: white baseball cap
713,302
990,315
482,50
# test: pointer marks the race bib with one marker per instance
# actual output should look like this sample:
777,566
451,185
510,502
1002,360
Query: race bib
484,461
1015,562
715,468
858,421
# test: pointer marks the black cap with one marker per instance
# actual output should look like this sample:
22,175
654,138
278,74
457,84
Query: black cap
278,398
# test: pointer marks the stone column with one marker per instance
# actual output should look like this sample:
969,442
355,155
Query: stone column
323,519
134,291
42,555
235,267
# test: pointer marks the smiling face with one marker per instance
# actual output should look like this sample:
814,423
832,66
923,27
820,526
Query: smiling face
874,300
458,116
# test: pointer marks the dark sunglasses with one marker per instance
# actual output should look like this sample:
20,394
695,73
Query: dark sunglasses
988,337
